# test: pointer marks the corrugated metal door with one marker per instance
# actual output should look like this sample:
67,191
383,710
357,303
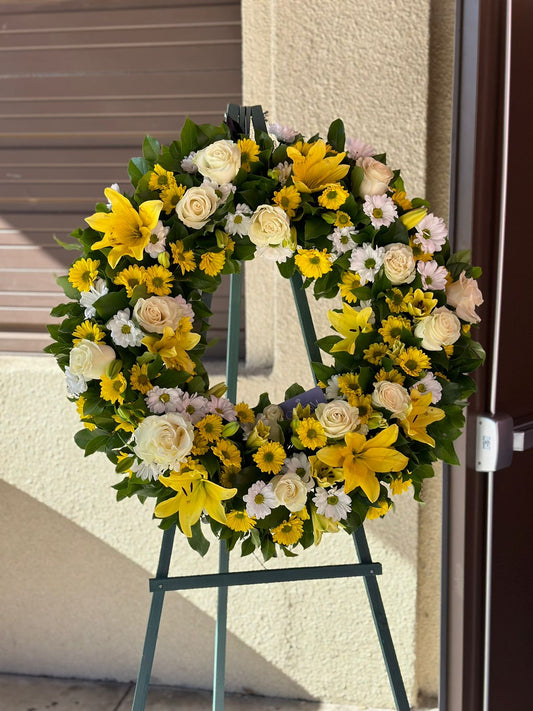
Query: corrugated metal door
81,84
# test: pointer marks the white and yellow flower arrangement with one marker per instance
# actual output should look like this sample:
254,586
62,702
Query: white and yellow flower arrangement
133,336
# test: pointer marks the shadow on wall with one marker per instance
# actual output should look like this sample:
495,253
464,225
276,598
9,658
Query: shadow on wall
72,606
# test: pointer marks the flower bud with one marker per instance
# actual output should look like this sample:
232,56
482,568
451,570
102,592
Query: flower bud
164,259
217,390
413,217
230,429
114,368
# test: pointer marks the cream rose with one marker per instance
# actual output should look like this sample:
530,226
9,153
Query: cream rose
269,227
219,162
90,359
377,177
337,418
441,328
392,396
290,491
465,296
399,263
196,206
164,439
158,312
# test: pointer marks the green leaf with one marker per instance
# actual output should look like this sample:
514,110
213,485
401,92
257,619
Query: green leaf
446,451
315,227
293,390
336,135
357,178
151,149
172,378
248,546
268,549
108,304
137,167
98,442
67,287
323,372
286,268
82,437
396,232
198,542
189,136
74,246
124,465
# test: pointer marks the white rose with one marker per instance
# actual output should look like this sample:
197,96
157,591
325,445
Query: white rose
399,263
337,418
196,206
392,396
90,359
164,439
290,491
158,312
465,296
219,162
441,328
269,227
376,179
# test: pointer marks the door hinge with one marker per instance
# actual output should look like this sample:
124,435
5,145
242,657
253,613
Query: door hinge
496,440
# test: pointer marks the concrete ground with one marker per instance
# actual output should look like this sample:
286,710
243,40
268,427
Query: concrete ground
27,693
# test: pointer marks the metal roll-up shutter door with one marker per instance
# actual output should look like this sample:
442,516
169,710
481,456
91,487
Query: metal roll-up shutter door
81,84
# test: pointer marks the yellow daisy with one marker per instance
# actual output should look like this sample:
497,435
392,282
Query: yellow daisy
200,445
183,258
212,263
244,412
349,385
83,273
350,281
311,433
391,328
313,263
123,424
375,353
392,376
333,197
228,453
400,198
161,178
249,152
364,404
288,198
240,521
210,427
448,350
111,389
130,278
395,300
342,219
89,331
270,457
80,402
399,486
413,361
171,195
289,532
139,379
159,280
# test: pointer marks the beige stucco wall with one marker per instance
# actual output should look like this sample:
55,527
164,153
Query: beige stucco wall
76,563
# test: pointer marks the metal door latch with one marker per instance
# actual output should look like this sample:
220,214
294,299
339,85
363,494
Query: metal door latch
496,440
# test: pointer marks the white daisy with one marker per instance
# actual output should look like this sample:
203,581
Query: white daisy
431,233
76,384
260,499
356,148
145,470
332,388
194,407
299,464
429,384
237,223
282,133
433,276
123,331
282,172
187,164
161,400
381,210
222,192
342,240
275,254
157,242
333,503
98,289
366,262
223,407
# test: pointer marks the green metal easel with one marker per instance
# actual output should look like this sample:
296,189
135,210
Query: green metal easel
238,119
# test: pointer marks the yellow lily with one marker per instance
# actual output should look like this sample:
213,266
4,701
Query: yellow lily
321,524
173,346
349,324
413,217
195,493
313,171
361,459
419,415
125,230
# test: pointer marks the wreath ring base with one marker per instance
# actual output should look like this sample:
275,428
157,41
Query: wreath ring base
366,568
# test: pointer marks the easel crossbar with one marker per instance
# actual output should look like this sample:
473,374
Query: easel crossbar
259,577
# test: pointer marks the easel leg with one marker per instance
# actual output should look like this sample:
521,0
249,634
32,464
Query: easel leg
381,624
152,629
219,669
